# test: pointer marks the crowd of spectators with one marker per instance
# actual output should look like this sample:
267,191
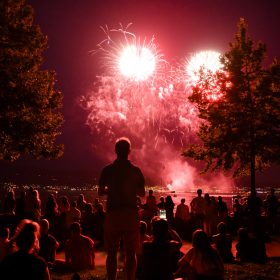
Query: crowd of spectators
33,235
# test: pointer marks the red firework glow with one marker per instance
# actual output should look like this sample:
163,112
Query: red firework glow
205,63
139,97
137,63
205,60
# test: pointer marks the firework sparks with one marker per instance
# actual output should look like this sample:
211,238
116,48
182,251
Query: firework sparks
143,97
139,83
125,54
205,65
205,61
137,63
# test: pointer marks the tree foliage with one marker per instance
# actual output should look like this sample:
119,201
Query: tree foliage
240,131
29,102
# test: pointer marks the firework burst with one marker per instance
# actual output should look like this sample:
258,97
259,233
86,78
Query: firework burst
206,61
124,54
205,65
138,95
143,97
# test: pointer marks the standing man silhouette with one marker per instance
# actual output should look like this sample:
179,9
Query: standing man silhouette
122,182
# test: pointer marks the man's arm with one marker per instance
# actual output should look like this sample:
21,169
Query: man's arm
47,274
141,187
91,252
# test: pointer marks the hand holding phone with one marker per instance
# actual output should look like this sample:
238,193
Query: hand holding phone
162,214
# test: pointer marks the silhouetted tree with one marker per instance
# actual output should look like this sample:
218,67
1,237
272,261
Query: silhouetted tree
29,101
240,130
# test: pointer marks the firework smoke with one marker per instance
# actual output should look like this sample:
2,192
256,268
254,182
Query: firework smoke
151,109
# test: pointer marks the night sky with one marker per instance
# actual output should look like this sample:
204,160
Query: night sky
181,27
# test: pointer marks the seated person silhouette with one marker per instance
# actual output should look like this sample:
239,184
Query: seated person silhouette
160,255
202,261
48,243
223,243
25,263
79,249
249,249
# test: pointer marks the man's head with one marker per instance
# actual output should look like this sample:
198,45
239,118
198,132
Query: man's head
122,147
143,227
73,204
199,192
27,235
222,228
75,229
44,224
160,229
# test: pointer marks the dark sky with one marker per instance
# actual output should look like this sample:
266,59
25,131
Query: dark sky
181,27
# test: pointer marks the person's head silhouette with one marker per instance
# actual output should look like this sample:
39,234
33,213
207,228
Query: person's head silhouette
122,148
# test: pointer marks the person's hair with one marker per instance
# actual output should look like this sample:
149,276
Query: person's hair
88,208
35,193
143,227
26,234
99,207
75,228
122,147
168,200
222,228
242,235
160,229
183,200
22,194
64,200
4,232
11,194
51,197
199,191
73,204
200,240
81,198
44,224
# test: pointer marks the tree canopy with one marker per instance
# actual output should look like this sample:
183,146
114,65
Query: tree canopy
240,129
29,102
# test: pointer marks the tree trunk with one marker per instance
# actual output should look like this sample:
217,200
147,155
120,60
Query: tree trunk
253,174
252,164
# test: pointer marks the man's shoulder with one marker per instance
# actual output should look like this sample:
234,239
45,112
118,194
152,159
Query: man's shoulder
117,163
197,199
87,240
183,206
133,166
147,243
108,167
216,237
52,239
174,245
